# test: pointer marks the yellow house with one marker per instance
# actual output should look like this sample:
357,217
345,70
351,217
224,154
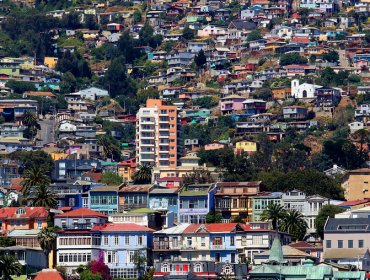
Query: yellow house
50,61
126,169
245,147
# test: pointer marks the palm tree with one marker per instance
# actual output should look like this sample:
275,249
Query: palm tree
274,213
42,196
294,224
143,174
46,238
30,120
9,265
107,146
35,176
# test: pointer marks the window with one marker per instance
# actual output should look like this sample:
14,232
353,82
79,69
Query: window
165,267
350,243
217,257
232,241
127,240
198,267
189,241
328,244
140,240
105,240
360,244
232,257
203,241
217,240
21,211
110,257
131,256
340,243
116,240
39,223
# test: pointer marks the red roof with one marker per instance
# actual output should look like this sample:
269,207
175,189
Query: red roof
160,273
81,212
15,184
30,212
47,274
300,40
295,15
354,202
297,66
95,176
129,227
130,162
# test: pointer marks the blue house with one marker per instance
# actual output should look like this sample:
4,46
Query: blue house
69,195
195,201
121,244
103,199
164,200
68,168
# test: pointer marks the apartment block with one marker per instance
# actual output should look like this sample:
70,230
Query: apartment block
156,134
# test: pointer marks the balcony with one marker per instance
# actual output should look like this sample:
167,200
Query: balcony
179,272
188,248
218,247
165,246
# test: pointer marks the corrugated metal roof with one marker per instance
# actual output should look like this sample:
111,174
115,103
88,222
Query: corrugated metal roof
174,230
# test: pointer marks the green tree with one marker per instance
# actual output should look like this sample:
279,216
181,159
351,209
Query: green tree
116,80
89,275
111,179
213,217
294,224
30,121
331,56
46,238
7,241
9,265
136,16
42,196
188,33
254,35
197,176
200,59
68,84
143,174
274,213
33,177
292,58
327,211
20,87
30,159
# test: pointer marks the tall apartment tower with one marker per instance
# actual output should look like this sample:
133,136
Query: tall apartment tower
156,134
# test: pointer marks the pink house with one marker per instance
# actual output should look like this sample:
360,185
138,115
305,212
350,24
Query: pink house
231,104
214,146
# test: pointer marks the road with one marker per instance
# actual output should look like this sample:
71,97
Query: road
46,133
343,59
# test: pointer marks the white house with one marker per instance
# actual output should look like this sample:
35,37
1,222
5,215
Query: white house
93,93
304,90
211,30
67,127
354,126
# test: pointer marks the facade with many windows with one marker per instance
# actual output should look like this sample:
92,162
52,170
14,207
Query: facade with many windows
118,244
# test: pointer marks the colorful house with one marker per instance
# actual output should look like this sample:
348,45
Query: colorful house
126,169
195,201
12,218
245,147
231,104
121,245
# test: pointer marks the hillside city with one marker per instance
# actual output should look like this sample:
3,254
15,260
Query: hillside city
184,139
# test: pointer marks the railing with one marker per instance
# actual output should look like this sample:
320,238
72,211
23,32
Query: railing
218,247
179,272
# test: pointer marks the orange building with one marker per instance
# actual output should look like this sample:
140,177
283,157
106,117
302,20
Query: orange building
23,218
156,134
